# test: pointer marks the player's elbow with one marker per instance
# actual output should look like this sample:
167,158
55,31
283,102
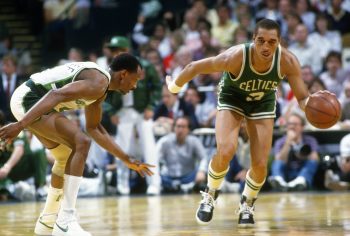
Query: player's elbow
55,96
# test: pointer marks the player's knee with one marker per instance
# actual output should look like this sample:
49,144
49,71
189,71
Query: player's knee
226,152
59,167
83,143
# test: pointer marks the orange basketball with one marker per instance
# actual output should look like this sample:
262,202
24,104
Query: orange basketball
323,110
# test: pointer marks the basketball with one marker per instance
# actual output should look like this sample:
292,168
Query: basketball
323,110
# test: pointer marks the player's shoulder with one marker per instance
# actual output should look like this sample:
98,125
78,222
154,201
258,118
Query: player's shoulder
288,59
235,51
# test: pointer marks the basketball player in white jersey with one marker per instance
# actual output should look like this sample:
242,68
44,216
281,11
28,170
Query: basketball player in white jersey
37,104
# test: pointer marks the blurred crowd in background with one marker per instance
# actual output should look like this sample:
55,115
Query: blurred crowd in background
175,131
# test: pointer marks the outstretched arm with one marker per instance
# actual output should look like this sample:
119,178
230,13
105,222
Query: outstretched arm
229,60
93,114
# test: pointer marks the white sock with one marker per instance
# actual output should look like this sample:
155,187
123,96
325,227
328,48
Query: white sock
251,188
53,200
215,179
70,189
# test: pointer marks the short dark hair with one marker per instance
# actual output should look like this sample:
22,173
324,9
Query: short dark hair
125,61
269,25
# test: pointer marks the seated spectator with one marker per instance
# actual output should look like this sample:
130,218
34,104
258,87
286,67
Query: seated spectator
205,110
182,157
337,177
296,158
18,163
169,109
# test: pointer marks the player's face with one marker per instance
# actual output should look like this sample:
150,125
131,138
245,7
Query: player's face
129,81
266,42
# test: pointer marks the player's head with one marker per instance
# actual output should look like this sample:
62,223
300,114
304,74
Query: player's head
267,36
118,45
125,70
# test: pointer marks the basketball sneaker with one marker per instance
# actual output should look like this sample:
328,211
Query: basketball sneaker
205,210
44,224
67,225
246,213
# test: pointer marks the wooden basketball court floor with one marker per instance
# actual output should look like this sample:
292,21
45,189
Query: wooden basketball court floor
276,214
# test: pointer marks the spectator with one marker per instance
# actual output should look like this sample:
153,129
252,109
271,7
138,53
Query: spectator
293,20
225,28
307,53
316,85
334,75
183,158
270,11
296,158
330,40
337,176
9,81
19,163
169,109
303,9
204,110
338,17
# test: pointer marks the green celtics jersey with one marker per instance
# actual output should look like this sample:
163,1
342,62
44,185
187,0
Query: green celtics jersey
59,76
250,84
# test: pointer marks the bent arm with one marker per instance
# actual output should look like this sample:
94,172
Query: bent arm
79,89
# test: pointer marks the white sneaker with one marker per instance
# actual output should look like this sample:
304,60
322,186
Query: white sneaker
67,225
153,190
298,184
122,190
44,224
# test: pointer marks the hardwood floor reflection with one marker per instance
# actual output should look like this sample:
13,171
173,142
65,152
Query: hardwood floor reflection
276,214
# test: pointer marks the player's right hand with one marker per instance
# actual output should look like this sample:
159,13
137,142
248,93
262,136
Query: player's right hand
10,131
168,80
141,168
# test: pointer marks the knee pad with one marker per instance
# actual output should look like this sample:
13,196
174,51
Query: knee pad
61,154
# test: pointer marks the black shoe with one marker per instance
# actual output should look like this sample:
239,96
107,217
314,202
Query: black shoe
246,213
206,208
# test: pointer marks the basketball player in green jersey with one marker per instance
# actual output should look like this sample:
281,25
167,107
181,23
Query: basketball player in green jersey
37,104
247,90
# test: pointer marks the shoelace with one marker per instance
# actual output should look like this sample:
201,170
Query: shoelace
245,209
207,202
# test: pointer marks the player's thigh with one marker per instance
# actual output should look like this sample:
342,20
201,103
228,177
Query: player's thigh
57,128
260,135
227,129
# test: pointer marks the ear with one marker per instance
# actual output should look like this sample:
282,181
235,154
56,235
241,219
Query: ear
123,74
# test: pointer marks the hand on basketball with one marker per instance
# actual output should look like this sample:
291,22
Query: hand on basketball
10,131
141,168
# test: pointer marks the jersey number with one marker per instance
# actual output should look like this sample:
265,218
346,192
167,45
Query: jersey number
254,96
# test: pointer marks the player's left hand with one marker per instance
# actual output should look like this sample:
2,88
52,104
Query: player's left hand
10,131
141,168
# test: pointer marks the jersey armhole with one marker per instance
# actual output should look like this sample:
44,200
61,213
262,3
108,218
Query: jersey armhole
242,66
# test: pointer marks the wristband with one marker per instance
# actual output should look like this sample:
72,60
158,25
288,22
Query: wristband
173,88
